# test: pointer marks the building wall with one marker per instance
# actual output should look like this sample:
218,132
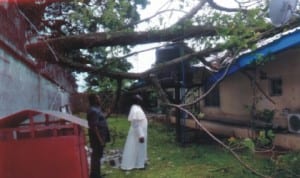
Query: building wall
25,82
21,87
232,99
236,91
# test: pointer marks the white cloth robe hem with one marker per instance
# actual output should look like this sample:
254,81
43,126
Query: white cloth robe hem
135,153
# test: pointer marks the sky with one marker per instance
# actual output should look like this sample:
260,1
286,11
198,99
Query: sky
145,60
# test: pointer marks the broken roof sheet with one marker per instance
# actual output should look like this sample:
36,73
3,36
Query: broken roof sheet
281,43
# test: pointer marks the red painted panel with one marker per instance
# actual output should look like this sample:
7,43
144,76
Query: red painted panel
55,157
35,145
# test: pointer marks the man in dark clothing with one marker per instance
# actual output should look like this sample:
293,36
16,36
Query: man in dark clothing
98,134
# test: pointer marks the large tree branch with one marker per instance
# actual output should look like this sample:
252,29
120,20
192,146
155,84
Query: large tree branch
143,75
199,55
40,49
99,71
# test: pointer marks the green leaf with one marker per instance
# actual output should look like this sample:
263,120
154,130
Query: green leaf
247,142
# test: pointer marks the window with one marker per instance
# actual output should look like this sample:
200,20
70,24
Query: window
213,98
276,87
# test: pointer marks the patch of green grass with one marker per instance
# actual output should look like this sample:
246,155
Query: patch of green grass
170,160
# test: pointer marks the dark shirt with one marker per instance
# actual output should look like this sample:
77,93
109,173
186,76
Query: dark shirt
97,120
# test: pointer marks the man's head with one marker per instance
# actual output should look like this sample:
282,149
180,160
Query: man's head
94,99
137,99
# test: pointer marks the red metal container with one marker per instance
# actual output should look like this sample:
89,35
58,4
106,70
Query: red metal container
42,144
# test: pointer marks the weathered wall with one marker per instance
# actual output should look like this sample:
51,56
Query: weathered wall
286,66
24,81
22,88
233,99
236,91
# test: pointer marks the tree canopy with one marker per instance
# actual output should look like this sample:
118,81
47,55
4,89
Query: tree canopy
97,36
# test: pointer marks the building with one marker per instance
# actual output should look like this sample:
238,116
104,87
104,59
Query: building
258,92
266,79
266,76
27,82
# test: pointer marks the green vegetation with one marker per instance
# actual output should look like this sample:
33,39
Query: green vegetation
288,165
167,159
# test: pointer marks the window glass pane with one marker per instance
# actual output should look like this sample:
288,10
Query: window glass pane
276,87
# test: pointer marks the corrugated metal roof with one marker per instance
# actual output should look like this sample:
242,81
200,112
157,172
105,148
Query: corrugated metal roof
282,43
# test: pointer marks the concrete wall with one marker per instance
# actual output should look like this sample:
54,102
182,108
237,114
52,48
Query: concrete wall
26,82
232,99
21,87
236,91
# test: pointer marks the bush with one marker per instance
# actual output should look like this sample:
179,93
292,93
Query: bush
287,165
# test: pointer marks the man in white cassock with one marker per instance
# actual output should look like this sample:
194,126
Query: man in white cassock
135,150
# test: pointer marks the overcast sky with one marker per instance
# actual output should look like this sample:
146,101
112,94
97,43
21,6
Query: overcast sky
143,61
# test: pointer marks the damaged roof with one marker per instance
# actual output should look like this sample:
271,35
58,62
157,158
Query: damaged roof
278,44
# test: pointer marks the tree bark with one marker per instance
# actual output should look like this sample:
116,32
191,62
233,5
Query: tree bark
40,49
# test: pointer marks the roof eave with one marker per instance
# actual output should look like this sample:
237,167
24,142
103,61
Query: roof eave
281,44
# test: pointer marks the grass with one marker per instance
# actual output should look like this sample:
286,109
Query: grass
170,160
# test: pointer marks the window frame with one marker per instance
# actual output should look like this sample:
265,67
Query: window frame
275,86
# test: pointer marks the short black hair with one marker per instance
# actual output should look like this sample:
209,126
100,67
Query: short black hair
137,99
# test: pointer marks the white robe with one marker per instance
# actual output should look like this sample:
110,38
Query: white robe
135,153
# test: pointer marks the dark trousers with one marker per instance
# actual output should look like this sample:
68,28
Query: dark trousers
96,156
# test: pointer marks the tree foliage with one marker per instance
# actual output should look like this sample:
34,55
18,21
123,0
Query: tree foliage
97,36
62,19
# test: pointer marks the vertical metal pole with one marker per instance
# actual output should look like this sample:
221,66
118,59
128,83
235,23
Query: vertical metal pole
178,124
179,98
182,97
